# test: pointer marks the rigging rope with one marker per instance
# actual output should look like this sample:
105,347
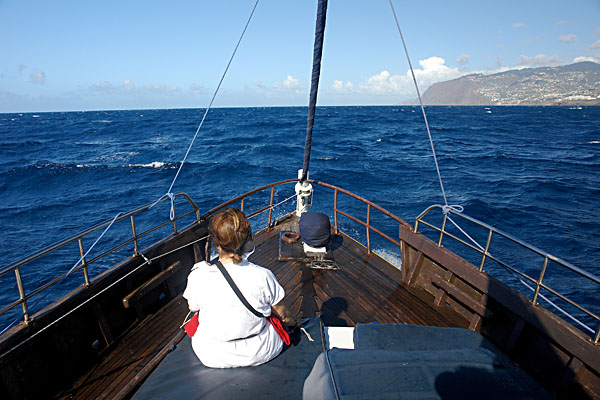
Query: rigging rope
147,261
68,273
169,194
437,167
458,208
446,211
314,85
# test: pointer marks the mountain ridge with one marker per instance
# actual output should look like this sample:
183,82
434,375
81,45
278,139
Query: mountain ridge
572,84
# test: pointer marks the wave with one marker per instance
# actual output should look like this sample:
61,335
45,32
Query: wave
509,168
155,164
53,167
327,158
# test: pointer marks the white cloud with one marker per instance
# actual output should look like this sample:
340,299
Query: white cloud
595,45
38,77
130,87
558,23
433,69
290,86
518,25
463,59
540,60
581,59
102,85
197,89
570,38
288,83
384,83
342,87
284,92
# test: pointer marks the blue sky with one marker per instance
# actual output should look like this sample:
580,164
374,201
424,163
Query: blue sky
80,55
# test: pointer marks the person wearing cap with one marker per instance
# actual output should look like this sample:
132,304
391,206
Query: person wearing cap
228,334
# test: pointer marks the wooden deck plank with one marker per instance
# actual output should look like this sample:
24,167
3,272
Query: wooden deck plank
382,295
130,355
366,288
389,293
333,313
146,353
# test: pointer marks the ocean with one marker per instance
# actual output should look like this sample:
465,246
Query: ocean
532,172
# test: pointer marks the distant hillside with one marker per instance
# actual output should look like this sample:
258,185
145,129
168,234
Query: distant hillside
574,84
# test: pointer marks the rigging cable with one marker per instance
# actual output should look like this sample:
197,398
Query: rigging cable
457,208
520,279
147,261
169,194
68,273
314,85
437,167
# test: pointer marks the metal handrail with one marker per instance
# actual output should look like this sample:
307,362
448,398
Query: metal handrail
487,255
17,265
336,212
508,236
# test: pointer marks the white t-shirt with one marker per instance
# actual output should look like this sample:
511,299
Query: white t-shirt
228,334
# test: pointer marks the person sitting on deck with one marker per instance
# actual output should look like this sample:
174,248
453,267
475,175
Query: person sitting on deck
228,334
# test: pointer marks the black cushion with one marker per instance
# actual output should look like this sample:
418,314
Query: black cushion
471,373
182,376
397,361
315,229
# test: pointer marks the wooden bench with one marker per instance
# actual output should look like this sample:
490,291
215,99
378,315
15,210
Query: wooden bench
137,294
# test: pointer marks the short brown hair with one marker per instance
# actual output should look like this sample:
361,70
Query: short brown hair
230,229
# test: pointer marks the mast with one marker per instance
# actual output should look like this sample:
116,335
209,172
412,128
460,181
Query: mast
303,188
314,86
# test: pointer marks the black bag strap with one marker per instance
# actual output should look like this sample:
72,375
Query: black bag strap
235,288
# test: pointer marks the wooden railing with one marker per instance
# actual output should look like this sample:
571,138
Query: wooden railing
337,212
486,254
16,267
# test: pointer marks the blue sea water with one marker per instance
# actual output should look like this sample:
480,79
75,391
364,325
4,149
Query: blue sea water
532,172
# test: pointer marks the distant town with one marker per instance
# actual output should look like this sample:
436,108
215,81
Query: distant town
574,84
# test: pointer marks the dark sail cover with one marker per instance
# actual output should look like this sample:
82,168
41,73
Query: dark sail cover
315,229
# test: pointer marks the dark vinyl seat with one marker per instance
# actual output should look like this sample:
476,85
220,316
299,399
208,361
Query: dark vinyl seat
182,376
397,361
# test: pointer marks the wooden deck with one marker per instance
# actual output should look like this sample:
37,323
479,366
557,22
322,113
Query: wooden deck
364,289
131,355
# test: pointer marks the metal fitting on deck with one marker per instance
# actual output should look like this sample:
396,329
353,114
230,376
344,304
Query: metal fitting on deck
304,191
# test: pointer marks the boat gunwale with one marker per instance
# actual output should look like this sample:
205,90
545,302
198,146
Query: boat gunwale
16,265
553,328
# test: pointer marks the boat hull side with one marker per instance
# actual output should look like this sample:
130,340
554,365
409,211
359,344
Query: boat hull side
563,359
40,361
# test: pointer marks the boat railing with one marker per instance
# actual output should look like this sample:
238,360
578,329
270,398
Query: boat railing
336,210
16,267
485,253
242,200
367,224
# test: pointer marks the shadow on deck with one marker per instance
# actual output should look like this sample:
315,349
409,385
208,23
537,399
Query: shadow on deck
366,288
